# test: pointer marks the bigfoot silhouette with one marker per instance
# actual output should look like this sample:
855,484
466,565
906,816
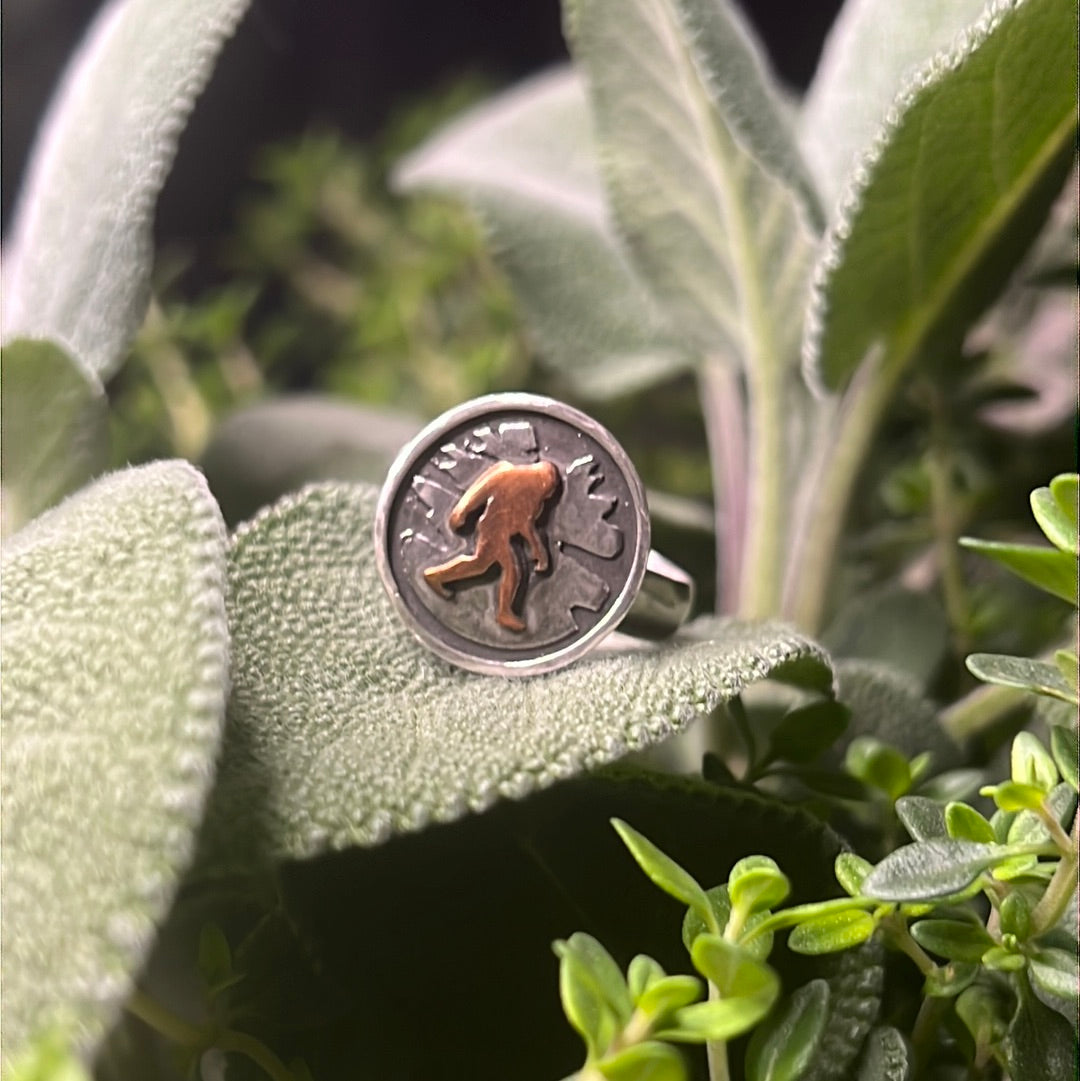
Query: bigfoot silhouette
513,497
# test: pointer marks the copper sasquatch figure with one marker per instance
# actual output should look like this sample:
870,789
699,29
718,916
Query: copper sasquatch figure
513,498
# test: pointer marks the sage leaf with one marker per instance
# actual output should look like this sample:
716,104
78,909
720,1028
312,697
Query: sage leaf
53,427
1036,676
885,1056
960,177
114,668
264,451
784,1044
929,869
873,48
526,164
831,932
77,269
704,178
342,730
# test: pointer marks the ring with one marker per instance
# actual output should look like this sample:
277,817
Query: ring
512,535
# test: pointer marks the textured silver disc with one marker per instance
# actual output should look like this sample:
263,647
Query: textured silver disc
512,534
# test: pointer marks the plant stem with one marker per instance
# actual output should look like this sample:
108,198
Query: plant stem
716,1050
725,430
980,710
1059,891
833,485
927,1022
900,937
257,1051
173,1028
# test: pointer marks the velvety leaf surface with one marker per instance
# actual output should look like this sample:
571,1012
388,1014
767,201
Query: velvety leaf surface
263,451
1036,676
874,46
885,1057
53,428
704,178
952,193
114,667
526,163
77,268
343,730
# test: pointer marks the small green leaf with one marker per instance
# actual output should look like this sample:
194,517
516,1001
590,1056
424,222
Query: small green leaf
1066,751
113,678
803,734
1039,1042
851,872
923,818
1001,959
1067,664
1012,796
1049,569
694,923
878,765
832,932
930,869
1018,867
1057,522
53,429
1065,488
947,981
1027,827
982,1011
885,1057
1056,972
756,883
1031,763
666,873
79,255
641,975
732,970
1002,823
669,994
602,973
584,997
964,823
1015,915
955,940
788,1040
1037,676
214,957
648,1061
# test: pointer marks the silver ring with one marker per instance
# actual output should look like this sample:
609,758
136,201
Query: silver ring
512,535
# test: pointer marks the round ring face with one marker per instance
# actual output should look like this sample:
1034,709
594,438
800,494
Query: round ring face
512,534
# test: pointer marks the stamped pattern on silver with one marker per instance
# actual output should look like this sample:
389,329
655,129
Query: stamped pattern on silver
512,534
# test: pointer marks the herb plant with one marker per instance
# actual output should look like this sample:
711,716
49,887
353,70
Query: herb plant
251,829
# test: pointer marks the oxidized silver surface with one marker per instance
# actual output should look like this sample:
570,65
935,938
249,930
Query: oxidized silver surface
512,534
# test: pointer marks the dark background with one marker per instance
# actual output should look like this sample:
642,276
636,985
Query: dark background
342,63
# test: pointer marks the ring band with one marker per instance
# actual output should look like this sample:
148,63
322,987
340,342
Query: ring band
512,535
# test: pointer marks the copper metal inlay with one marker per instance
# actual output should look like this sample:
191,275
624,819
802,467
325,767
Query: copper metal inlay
513,498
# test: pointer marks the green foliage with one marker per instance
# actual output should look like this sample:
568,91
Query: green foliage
222,759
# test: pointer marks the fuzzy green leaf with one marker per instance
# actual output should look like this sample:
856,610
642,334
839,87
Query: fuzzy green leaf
53,428
648,1061
1066,752
1036,676
873,47
929,869
114,658
955,940
1014,796
584,1000
831,932
705,181
343,731
1050,569
669,994
783,1046
1065,487
641,975
264,451
1031,763
923,818
960,178
526,163
693,924
78,267
756,883
1057,518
